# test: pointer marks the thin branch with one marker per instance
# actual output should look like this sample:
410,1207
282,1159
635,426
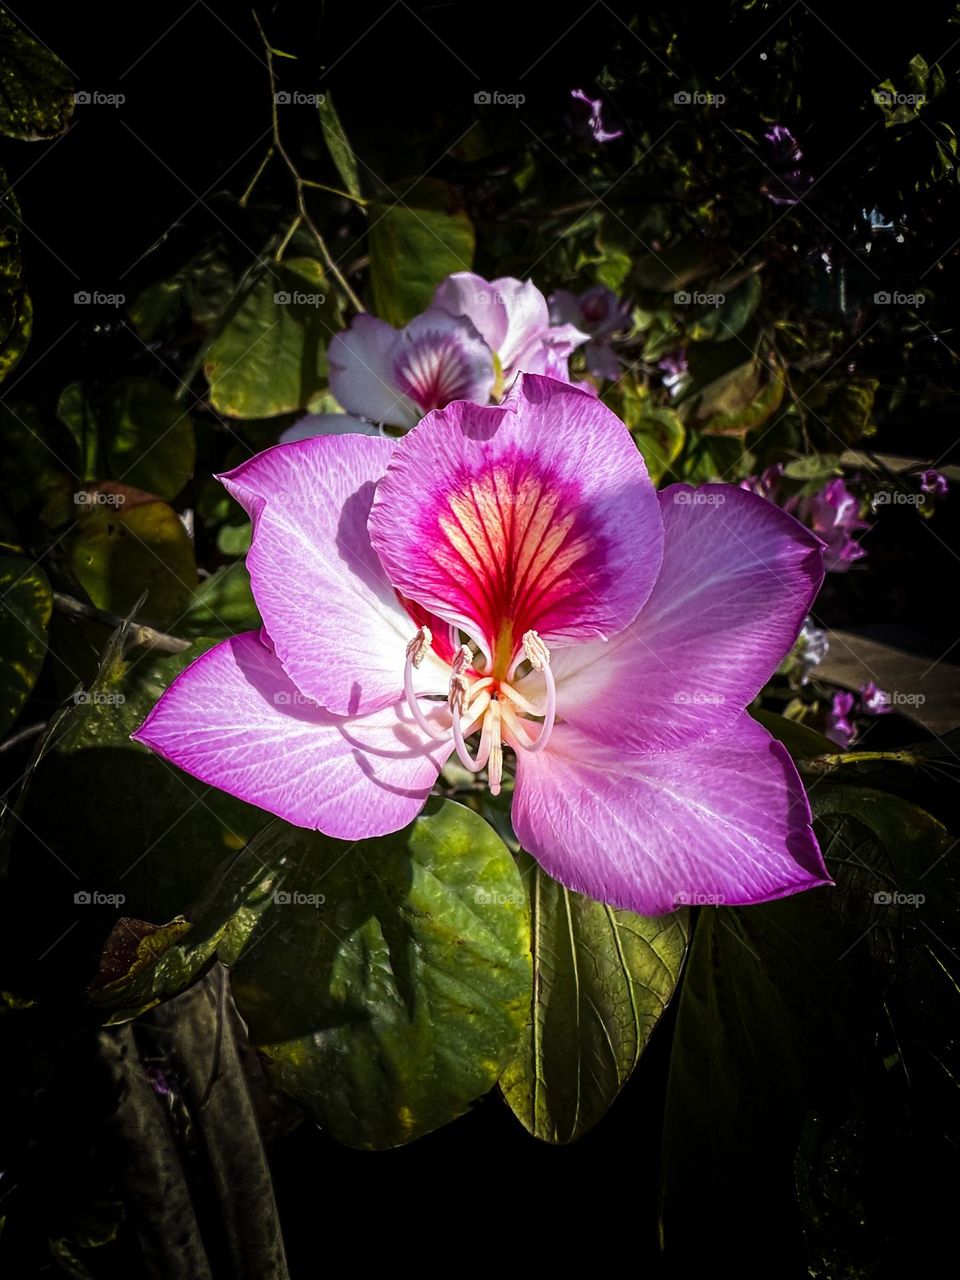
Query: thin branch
299,182
138,634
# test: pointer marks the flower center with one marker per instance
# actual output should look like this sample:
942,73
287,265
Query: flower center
433,372
488,704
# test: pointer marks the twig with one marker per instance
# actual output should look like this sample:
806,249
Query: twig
139,633
299,182
24,735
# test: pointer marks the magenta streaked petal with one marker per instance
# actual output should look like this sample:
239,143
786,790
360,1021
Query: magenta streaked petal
440,358
534,515
737,580
328,424
333,618
362,374
527,317
725,821
235,720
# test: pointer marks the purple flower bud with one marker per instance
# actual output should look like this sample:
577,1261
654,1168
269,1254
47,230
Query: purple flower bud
934,482
591,120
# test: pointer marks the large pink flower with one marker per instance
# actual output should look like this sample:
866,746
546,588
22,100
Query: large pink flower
508,576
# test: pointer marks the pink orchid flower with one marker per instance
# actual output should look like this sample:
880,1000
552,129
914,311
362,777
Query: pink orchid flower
508,577
514,319
392,377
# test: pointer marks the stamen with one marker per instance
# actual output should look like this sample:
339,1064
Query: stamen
463,755
416,652
538,655
458,681
419,646
491,735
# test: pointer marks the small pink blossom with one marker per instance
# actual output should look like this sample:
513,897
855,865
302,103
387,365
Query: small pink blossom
834,515
840,727
599,313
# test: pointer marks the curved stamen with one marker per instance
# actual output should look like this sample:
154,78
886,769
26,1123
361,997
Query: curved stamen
538,655
416,652
483,754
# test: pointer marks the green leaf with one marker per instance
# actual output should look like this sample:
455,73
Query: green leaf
147,437
36,463
127,542
222,605
203,286
26,603
801,741
602,977
786,1005
724,321
414,244
76,413
385,982
234,539
36,89
270,355
16,310
339,147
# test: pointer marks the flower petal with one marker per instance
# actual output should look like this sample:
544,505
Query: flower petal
233,719
362,374
537,514
509,314
333,617
723,821
737,580
440,358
